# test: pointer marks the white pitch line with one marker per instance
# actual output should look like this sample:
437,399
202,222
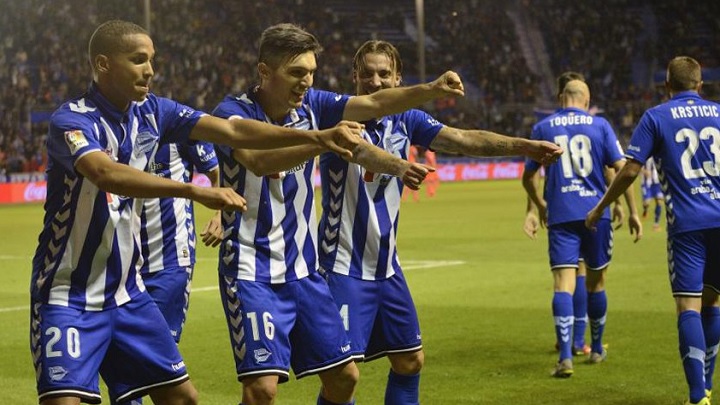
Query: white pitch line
409,265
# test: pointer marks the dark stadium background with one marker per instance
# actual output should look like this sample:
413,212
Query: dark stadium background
508,53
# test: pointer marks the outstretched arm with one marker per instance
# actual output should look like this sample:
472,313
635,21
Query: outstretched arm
486,143
399,99
372,158
246,133
120,179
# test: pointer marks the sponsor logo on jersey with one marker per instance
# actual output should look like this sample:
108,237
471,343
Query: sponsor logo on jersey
178,366
56,373
186,113
345,348
261,355
75,140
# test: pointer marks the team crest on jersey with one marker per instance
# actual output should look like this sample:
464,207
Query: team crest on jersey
75,140
144,142
262,355
56,373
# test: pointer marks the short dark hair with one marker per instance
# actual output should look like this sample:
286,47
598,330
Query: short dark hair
566,77
282,42
684,73
109,37
382,47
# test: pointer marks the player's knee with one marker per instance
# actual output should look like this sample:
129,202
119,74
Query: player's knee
259,390
342,379
408,363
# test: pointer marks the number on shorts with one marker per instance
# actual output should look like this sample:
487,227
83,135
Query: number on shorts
72,339
268,326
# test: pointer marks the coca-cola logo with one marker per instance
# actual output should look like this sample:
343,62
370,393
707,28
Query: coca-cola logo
35,191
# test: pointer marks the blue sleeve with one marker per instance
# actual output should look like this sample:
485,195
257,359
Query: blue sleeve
70,136
176,120
328,107
642,140
201,155
612,145
235,108
422,127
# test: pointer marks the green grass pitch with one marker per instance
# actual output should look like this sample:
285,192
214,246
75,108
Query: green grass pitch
483,292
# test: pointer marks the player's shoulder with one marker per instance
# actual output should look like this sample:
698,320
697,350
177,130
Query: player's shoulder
75,112
243,104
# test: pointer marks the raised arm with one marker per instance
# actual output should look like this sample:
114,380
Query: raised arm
252,134
120,179
396,100
486,143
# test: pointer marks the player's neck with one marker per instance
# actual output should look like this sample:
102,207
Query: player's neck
275,110
118,101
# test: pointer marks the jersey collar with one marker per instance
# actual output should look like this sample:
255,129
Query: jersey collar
105,105
686,94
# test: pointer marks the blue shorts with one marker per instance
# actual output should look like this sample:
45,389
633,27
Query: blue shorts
379,315
569,241
170,289
694,262
130,346
277,326
651,192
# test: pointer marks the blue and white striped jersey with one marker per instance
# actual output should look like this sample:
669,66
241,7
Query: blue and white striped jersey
88,248
576,182
168,231
275,240
682,135
358,228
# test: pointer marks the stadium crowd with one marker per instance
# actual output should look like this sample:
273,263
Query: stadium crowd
208,49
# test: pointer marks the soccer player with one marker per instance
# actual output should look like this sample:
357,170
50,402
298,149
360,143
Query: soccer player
681,135
90,312
651,191
358,227
572,187
279,310
532,225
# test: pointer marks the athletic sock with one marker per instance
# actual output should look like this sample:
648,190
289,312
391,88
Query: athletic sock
711,329
580,312
692,353
658,211
562,307
402,389
597,313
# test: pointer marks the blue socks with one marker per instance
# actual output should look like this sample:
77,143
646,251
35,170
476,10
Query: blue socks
597,312
692,353
562,306
580,312
402,389
711,329
658,211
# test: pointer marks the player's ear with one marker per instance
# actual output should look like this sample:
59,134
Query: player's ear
398,80
101,63
263,70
